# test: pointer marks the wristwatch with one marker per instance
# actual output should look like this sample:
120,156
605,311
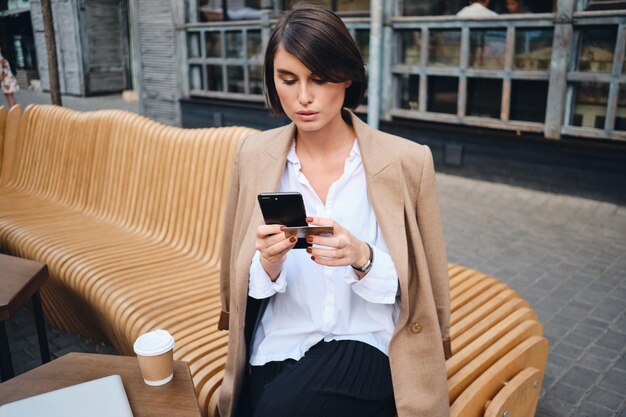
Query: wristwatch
368,265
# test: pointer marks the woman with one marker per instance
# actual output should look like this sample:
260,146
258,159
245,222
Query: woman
353,325
7,81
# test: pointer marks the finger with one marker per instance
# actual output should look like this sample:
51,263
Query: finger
328,261
268,229
326,253
320,221
281,247
330,241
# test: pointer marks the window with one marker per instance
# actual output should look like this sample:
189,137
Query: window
410,88
409,42
533,49
214,10
596,48
484,97
487,48
443,94
451,7
341,7
444,48
602,5
589,104
528,100
225,60
620,118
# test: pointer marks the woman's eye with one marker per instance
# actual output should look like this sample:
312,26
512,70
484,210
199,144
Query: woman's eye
289,82
319,81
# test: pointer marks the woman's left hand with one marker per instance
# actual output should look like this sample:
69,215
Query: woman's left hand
343,248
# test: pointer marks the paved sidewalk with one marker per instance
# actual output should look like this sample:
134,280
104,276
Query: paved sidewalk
26,97
565,255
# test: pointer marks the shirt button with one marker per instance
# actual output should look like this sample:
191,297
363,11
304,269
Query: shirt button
416,327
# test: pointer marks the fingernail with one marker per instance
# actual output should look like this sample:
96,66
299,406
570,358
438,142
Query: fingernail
282,228
309,239
309,219
312,258
292,239
309,249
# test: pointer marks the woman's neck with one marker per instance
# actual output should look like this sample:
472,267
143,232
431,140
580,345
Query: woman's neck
335,137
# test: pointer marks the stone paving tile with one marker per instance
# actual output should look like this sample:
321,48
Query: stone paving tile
566,255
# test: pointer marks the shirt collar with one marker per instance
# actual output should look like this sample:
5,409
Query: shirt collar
292,157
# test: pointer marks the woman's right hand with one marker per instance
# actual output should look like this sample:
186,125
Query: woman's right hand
273,246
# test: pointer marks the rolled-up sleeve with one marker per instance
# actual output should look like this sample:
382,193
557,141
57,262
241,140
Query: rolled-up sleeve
260,285
380,284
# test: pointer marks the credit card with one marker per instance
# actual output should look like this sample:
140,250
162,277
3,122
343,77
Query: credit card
304,231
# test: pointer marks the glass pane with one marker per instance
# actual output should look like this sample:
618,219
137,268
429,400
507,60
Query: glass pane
235,79
409,85
487,48
256,79
353,6
254,45
195,77
620,116
597,45
362,40
234,44
213,42
484,96
444,48
193,44
431,7
590,104
604,5
214,78
410,42
528,100
210,10
325,3
533,49
443,93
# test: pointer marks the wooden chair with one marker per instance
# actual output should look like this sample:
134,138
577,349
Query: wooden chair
127,214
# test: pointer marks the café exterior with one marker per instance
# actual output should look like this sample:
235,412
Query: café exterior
545,84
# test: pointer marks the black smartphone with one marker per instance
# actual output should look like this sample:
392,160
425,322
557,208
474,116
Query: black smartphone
285,208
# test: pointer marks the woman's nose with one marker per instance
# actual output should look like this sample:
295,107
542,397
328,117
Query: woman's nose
304,96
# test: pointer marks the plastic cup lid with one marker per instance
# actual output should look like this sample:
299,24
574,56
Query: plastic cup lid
153,343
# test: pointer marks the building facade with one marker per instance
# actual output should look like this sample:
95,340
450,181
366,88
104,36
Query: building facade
535,95
552,68
93,45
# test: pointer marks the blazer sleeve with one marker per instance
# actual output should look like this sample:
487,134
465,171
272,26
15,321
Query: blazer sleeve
429,222
227,240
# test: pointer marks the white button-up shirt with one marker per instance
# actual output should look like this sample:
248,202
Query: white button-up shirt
311,302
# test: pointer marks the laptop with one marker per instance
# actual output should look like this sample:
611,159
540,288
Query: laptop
104,397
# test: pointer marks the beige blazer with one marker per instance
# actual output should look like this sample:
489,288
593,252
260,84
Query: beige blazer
401,185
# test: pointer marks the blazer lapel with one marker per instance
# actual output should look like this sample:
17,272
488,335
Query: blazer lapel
269,165
386,192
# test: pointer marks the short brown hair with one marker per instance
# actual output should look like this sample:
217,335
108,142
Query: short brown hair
321,41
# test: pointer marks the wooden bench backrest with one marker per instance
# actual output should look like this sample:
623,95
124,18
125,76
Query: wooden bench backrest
163,182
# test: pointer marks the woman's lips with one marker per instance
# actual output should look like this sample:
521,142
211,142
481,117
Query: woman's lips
307,115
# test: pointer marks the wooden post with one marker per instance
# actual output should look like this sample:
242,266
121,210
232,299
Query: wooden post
561,49
225,10
51,47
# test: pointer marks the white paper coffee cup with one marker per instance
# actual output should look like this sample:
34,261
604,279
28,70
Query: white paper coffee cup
155,352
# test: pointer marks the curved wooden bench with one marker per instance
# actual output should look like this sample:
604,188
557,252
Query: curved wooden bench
127,215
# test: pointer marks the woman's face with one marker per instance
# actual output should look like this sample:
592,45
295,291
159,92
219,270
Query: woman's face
310,102
513,6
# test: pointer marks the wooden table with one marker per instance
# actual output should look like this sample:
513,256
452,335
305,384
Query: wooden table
177,398
20,279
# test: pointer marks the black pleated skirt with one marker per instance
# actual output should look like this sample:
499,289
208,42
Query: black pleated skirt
337,378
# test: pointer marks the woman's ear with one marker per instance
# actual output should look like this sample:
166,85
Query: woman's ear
348,83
